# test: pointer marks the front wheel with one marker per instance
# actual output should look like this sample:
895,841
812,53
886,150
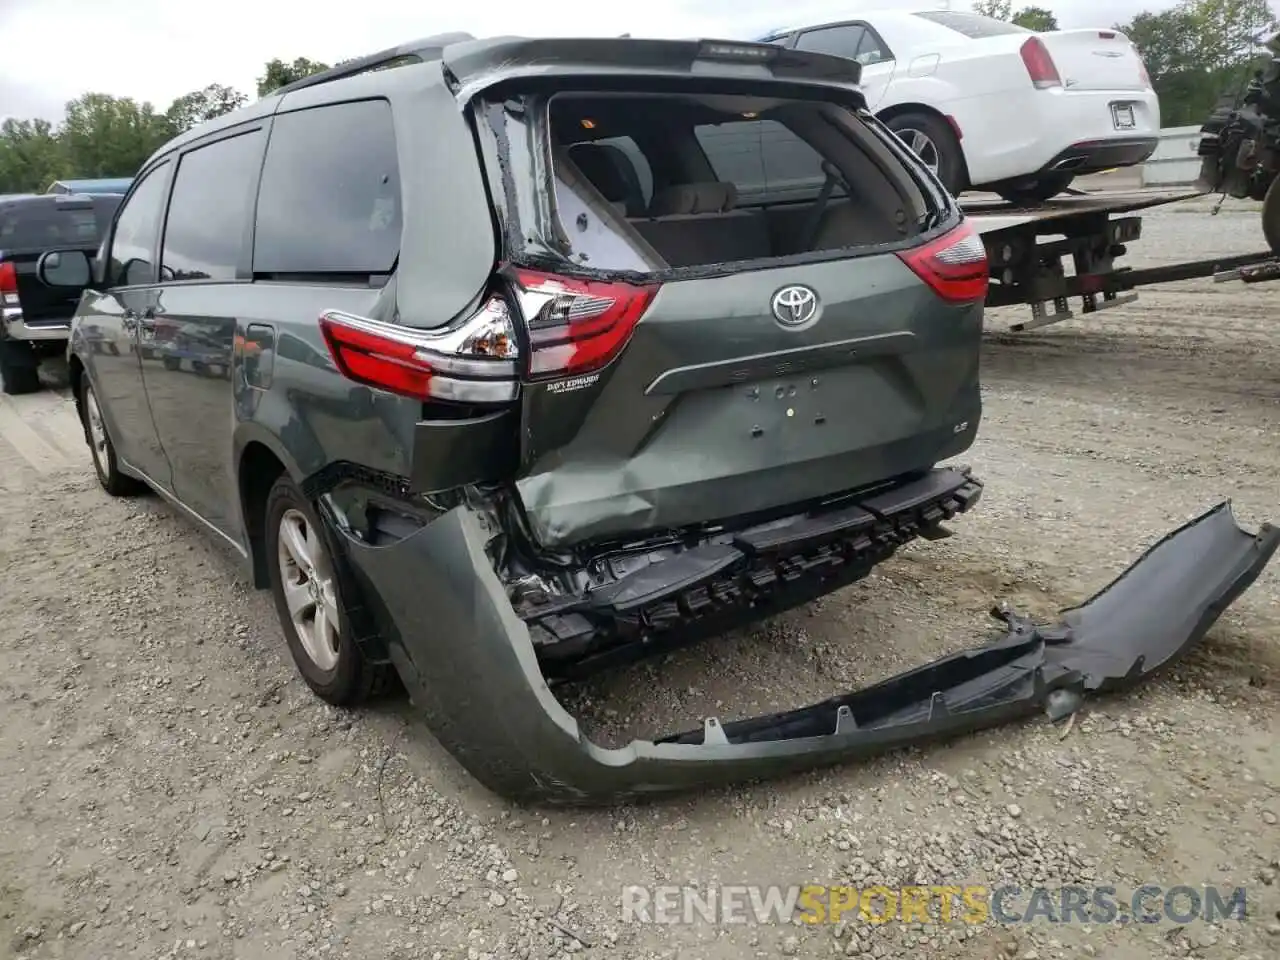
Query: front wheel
101,448
308,598
935,143
1030,192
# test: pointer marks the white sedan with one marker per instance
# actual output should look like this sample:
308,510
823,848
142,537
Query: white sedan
990,105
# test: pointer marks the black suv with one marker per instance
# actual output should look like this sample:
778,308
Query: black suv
503,361
35,320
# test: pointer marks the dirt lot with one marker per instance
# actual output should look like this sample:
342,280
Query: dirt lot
168,787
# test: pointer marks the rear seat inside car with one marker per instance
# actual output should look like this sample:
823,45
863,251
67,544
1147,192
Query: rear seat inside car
687,224
693,224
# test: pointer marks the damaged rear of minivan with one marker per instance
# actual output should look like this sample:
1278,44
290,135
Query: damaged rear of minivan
732,330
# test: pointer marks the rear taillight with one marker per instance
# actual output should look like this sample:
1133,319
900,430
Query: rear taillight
1040,66
954,265
1142,70
474,362
576,326
8,285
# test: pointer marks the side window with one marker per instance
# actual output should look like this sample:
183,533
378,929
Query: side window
137,229
639,162
871,50
210,209
764,159
329,201
837,41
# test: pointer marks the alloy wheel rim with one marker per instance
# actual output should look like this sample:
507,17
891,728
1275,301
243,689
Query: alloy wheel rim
97,433
310,593
922,146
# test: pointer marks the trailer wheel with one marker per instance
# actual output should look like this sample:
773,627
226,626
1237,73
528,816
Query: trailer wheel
1271,217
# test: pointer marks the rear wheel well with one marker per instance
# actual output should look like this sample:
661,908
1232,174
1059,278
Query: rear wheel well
259,469
898,109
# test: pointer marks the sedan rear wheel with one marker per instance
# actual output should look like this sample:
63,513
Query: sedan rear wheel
932,140
1036,190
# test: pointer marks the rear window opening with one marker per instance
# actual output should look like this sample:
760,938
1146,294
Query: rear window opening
47,223
652,182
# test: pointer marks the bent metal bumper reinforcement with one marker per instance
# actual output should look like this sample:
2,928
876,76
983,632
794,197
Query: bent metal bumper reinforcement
468,662
743,575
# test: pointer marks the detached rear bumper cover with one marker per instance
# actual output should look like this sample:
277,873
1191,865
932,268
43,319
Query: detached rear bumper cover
468,661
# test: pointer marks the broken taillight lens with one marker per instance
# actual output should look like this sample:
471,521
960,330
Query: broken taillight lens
1040,66
576,326
474,362
954,265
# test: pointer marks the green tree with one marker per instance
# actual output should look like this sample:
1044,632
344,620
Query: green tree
31,156
105,136
201,105
1197,52
278,73
997,9
1036,18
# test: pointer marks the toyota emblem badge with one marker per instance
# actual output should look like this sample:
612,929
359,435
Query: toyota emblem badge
795,306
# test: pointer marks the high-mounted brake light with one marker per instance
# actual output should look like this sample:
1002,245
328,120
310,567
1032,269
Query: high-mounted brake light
954,265
749,52
474,362
1106,34
8,285
1040,66
577,326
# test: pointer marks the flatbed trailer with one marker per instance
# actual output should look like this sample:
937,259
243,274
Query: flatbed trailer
1029,251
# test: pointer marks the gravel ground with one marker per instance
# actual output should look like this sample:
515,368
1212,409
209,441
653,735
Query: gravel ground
170,788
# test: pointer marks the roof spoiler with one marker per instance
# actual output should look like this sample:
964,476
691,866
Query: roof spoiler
428,48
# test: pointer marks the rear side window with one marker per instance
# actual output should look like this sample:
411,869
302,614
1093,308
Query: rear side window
329,201
138,230
211,209
838,41
972,25
853,41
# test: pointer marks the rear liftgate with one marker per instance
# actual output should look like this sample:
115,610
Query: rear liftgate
469,663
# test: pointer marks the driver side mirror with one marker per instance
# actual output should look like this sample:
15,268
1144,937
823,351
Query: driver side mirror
64,268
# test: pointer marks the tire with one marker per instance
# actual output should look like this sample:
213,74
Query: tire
1271,216
330,661
101,449
1036,191
19,367
933,134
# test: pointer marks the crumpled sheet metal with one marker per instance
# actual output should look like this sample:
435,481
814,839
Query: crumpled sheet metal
467,658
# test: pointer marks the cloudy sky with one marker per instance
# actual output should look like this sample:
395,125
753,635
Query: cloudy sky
55,50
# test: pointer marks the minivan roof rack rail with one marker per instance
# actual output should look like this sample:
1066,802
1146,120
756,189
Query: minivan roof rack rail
428,48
